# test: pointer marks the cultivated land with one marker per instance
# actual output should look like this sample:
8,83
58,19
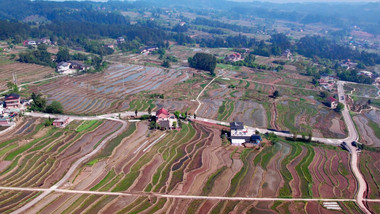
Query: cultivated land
25,73
189,169
191,161
113,89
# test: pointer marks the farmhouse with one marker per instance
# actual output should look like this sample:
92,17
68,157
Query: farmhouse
120,40
29,42
64,68
45,41
148,50
165,120
332,102
61,122
327,82
365,73
287,53
233,57
5,122
12,101
110,45
76,65
241,135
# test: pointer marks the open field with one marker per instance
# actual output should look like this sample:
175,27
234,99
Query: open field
25,73
368,124
111,90
193,161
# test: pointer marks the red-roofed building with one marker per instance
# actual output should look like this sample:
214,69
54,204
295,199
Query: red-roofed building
162,114
12,101
165,119
332,102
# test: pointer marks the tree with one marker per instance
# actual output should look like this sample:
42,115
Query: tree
12,88
295,136
176,114
55,108
175,124
136,112
39,103
149,110
63,55
323,94
195,116
166,64
276,94
340,107
310,137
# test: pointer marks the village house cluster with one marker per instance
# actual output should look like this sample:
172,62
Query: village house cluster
10,108
327,82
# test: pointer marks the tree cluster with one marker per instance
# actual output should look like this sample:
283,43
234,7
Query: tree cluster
203,61
39,104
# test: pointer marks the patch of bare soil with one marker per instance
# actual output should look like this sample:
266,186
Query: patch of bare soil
4,164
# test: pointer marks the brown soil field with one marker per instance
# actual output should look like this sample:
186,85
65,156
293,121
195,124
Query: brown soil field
24,72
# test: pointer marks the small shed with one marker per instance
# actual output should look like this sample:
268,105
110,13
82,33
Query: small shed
61,122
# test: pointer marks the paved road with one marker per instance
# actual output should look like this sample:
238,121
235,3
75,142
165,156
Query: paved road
353,136
73,167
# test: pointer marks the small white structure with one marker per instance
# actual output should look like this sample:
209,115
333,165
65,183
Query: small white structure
1,108
366,73
64,68
241,135
32,43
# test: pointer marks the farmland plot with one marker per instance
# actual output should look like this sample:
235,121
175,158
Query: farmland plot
24,72
104,92
193,162
38,156
368,124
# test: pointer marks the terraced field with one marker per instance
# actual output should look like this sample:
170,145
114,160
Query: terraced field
25,73
193,161
370,168
38,156
368,124
361,90
109,91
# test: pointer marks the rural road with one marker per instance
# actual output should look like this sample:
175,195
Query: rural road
137,194
74,167
199,95
29,83
353,136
